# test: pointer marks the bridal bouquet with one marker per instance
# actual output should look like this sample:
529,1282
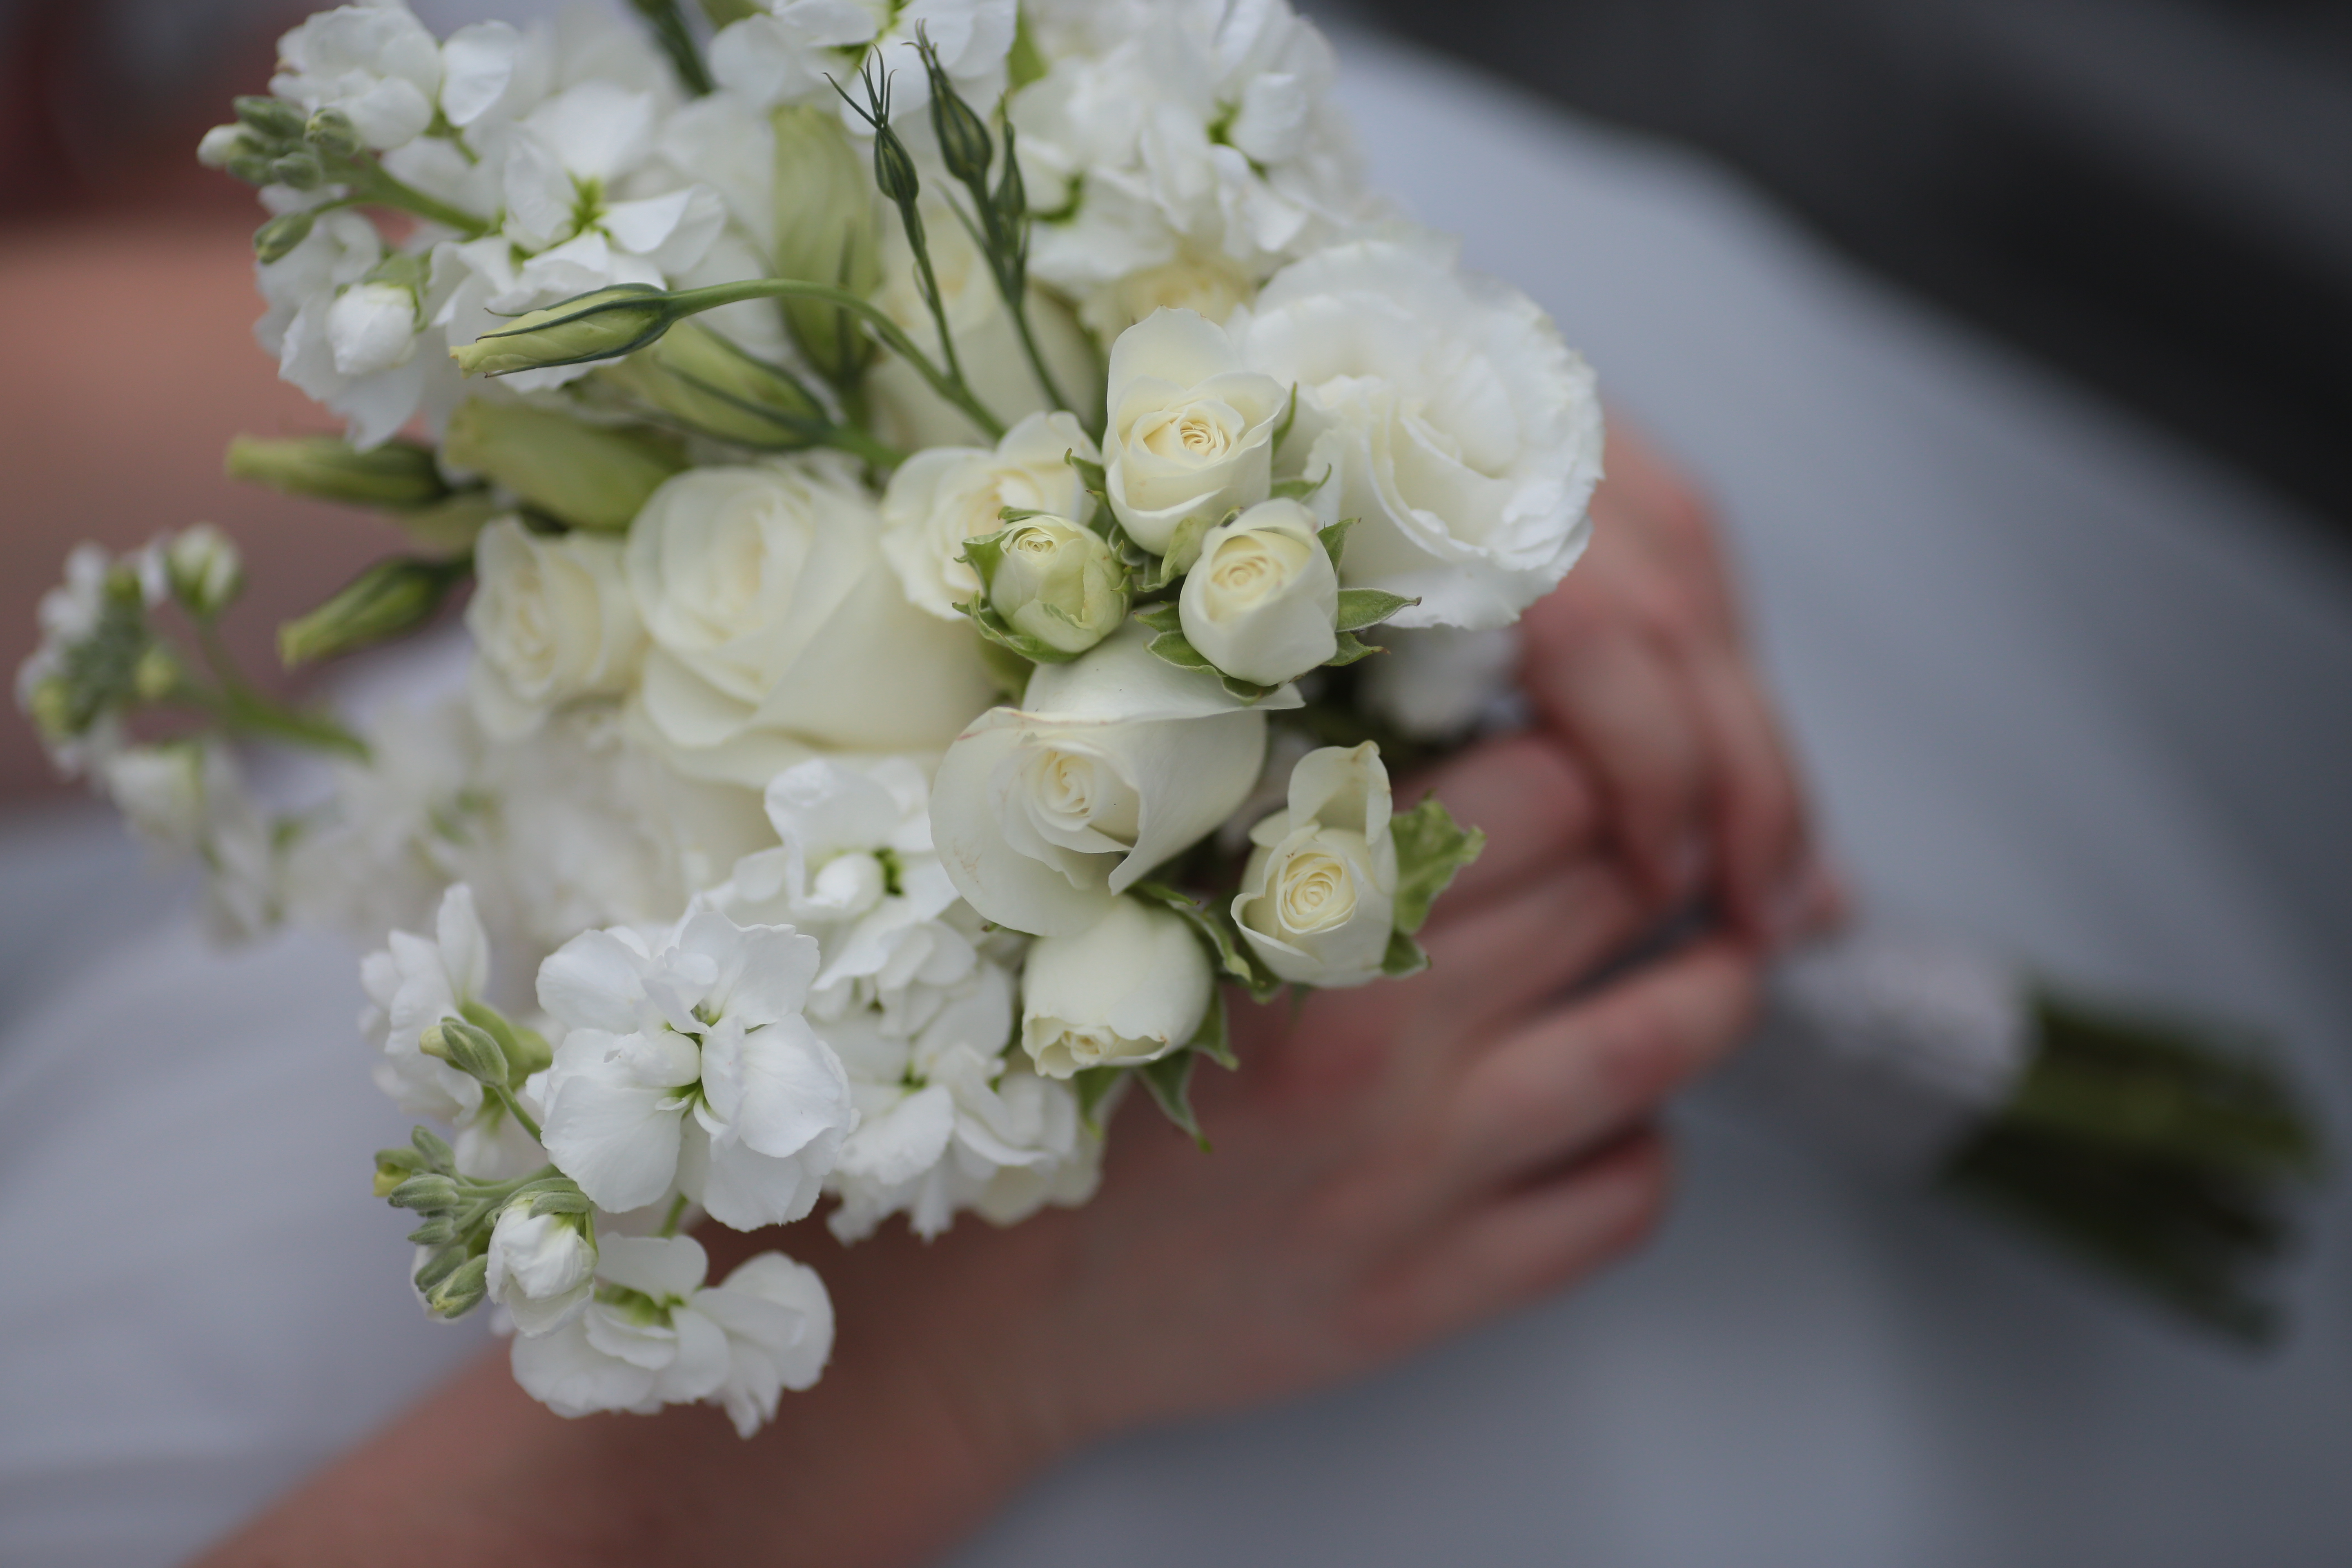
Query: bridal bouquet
930,479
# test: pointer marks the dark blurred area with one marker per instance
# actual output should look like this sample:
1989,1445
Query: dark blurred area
2155,196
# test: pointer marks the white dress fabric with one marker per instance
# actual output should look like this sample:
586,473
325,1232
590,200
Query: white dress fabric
2060,685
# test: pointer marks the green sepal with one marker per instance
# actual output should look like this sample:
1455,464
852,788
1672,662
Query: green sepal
1335,539
1352,649
1170,1079
1093,1086
1164,617
391,597
1430,847
1177,649
526,1050
558,1202
1213,1039
1403,957
1226,949
1090,475
1361,607
992,627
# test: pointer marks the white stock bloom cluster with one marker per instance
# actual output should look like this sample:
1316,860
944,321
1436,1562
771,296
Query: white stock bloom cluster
1185,162
791,51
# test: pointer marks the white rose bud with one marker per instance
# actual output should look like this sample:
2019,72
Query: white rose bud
552,621
1262,600
1116,762
202,569
1456,426
371,327
1319,898
1192,431
941,497
543,1267
1132,986
1058,582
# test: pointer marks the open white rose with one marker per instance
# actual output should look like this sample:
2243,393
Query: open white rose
778,629
1261,601
1043,814
1460,431
1132,986
1192,430
1319,898
552,621
942,497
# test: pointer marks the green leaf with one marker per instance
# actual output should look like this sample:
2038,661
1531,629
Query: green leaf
1335,538
992,627
1162,617
1177,650
1213,1038
1431,847
1352,649
1290,417
1170,1079
1226,949
1093,1086
1297,489
984,553
1361,607
1403,957
1091,475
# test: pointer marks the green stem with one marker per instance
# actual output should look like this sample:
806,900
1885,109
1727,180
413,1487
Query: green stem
372,186
247,712
514,1108
676,1212
912,221
691,301
861,445
670,30
1011,287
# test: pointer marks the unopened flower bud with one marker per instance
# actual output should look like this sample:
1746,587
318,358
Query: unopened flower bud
251,166
273,118
396,475
390,1173
461,1291
331,131
387,599
427,1194
604,323
158,674
588,476
302,170
468,1047
963,137
438,1231
699,377
203,571
826,233
894,168
222,144
53,709
1054,581
274,241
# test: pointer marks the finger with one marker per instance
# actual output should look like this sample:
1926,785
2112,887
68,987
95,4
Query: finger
1585,1072
1529,798
1532,1241
1763,852
1625,707
1497,960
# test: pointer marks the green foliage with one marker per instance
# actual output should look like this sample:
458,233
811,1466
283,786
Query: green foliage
1431,847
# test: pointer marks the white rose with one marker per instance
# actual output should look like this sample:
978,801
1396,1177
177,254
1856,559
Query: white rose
1318,899
1208,286
777,626
1131,987
543,1267
988,345
1192,430
1261,601
941,497
1116,762
552,619
1059,583
1462,433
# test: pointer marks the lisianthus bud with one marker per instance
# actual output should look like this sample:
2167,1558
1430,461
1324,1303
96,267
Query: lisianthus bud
396,474
585,475
1317,903
1131,988
698,376
826,233
542,1267
894,167
962,135
387,599
1052,580
202,569
604,325
1261,601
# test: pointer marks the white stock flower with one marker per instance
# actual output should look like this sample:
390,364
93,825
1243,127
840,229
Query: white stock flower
778,629
1205,131
944,496
1129,988
687,1064
552,621
347,332
1191,427
1261,601
1115,763
376,63
1459,430
1318,899
542,1267
785,52
995,367
655,1335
